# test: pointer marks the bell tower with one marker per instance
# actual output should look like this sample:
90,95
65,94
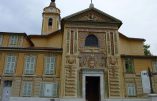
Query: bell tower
51,19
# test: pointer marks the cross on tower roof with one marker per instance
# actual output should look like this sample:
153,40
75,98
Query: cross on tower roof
91,4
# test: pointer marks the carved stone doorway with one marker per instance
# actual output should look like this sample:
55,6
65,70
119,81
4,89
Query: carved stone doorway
92,88
93,78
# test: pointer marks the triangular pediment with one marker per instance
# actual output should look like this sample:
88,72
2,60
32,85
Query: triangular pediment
92,14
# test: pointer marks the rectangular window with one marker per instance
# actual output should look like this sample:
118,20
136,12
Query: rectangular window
13,40
49,89
155,66
49,65
27,89
129,65
131,89
30,62
1,40
10,64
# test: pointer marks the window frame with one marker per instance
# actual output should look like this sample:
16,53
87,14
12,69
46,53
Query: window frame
155,66
131,90
1,40
13,40
29,65
50,22
25,91
51,70
54,91
130,63
10,64
89,39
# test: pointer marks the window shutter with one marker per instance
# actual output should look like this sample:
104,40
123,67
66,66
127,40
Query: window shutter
47,62
1,39
13,64
27,88
54,89
27,61
30,64
155,66
10,64
13,40
131,89
52,63
49,65
49,89
32,67
42,85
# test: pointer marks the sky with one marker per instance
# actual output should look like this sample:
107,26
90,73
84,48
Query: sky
139,17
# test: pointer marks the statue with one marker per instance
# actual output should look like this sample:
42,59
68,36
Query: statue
52,0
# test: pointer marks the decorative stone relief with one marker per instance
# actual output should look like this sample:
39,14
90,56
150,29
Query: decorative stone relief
113,60
70,60
70,80
92,60
91,15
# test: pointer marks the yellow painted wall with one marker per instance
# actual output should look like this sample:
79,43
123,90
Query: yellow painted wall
39,69
131,47
39,41
52,41
55,41
25,42
5,40
142,64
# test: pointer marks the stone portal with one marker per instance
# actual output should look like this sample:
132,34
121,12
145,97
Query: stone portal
93,84
92,88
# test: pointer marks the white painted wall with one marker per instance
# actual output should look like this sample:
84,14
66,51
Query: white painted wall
154,99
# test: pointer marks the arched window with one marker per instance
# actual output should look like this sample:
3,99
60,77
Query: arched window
91,40
50,22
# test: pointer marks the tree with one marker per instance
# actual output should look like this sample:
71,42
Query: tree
146,50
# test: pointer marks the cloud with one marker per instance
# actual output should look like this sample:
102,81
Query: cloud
138,16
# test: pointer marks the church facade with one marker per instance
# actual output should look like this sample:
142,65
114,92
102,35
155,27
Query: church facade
79,57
